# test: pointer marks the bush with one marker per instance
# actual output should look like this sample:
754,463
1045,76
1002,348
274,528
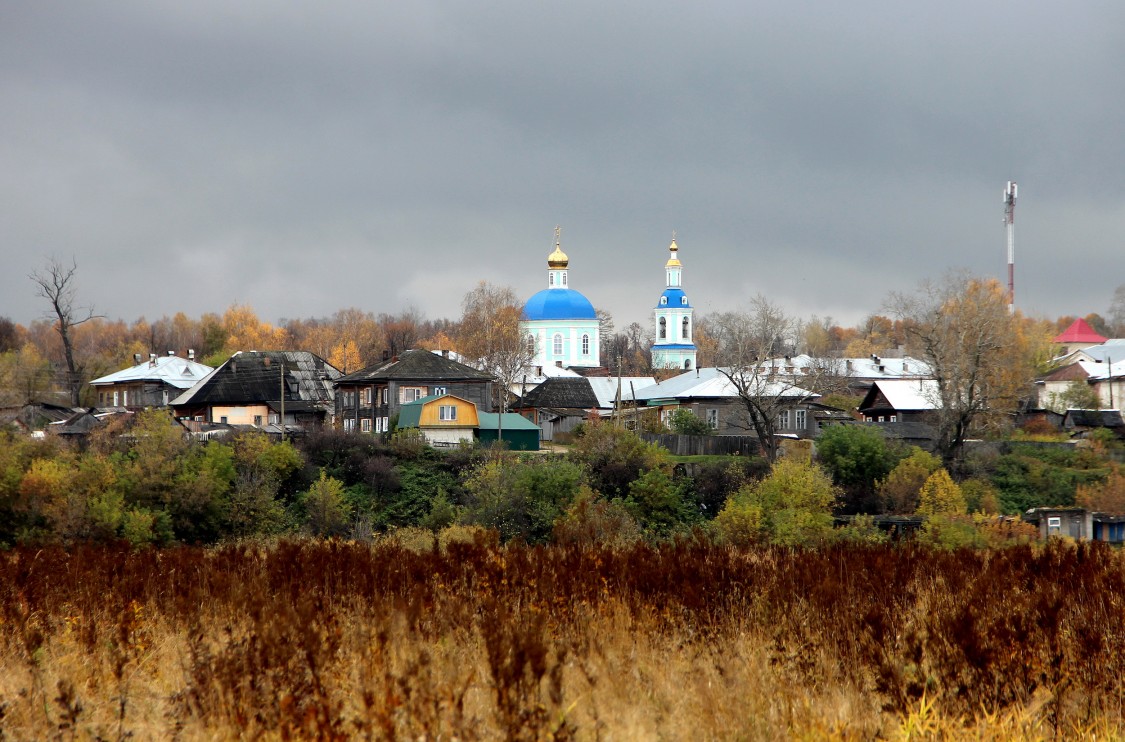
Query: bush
685,422
659,505
790,507
326,509
615,457
857,456
940,495
592,520
899,491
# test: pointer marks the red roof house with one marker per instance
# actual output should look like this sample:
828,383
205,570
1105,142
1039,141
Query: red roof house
1078,336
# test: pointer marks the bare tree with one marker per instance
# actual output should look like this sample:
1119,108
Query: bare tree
978,352
750,349
56,284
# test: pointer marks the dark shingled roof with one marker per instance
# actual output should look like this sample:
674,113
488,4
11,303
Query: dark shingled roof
416,365
254,377
1094,418
562,392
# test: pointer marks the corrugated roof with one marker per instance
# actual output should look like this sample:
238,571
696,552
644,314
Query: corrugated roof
172,370
711,383
605,387
255,377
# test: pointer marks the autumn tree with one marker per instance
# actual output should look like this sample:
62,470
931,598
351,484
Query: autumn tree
402,331
57,283
9,335
747,344
1104,497
489,337
977,350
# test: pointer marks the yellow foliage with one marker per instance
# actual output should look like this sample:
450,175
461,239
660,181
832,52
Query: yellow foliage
941,495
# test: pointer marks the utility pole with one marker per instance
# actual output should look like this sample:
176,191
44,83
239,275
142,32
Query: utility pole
1010,224
281,367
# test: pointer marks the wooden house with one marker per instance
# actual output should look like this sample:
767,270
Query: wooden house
444,419
367,400
152,383
289,388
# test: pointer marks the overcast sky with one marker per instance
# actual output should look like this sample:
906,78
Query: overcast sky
307,157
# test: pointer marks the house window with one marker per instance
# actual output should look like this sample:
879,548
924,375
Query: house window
1054,525
384,395
367,393
258,420
411,393
223,419
349,424
125,398
440,390
663,327
386,424
881,419
684,331
585,345
116,398
713,419
447,412
273,419
801,419
783,420
894,418
557,345
365,425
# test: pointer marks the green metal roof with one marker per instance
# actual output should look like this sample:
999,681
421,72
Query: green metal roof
512,421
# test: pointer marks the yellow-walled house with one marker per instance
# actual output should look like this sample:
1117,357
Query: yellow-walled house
445,420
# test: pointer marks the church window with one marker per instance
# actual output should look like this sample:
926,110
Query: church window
557,344
663,300
531,345
685,328
663,328
585,345
551,279
683,300
564,279
687,364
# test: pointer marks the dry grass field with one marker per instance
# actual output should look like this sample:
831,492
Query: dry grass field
400,640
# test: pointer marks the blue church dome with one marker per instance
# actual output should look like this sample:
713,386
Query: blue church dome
558,304
673,298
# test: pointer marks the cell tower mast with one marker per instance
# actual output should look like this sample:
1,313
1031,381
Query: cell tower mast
1010,224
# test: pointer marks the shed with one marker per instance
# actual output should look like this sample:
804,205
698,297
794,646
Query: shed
518,432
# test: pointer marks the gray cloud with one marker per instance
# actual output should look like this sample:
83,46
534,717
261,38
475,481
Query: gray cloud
302,159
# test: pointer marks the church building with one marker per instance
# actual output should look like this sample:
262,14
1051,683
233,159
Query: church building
559,322
673,347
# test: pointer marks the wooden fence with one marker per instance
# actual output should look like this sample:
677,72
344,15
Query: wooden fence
705,445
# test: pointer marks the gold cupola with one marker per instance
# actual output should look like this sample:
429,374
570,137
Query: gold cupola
674,255
558,260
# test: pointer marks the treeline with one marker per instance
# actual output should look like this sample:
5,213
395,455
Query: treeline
34,359
149,483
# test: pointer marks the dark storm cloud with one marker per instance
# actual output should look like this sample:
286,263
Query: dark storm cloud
303,159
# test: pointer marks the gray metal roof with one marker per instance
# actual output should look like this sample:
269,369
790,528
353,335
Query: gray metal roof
171,369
